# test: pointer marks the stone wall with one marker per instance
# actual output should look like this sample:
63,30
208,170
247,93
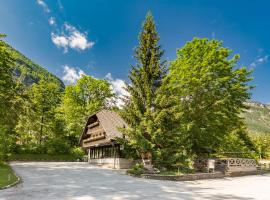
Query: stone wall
185,177
200,176
117,163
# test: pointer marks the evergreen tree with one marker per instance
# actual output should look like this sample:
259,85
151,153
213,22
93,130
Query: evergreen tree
146,77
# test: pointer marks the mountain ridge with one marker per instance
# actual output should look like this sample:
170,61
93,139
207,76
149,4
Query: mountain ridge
257,118
29,72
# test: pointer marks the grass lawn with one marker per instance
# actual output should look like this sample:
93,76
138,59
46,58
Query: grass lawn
7,175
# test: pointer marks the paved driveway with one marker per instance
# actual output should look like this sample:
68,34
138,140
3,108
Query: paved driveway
79,181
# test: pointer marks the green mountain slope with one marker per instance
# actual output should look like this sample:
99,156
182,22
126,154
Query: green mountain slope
29,72
257,118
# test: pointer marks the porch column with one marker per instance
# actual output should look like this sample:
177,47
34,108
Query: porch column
89,151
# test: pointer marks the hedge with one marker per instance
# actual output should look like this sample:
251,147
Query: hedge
42,157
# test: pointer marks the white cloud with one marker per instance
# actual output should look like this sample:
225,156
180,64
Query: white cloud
60,41
79,41
118,86
259,61
52,21
43,5
71,38
71,74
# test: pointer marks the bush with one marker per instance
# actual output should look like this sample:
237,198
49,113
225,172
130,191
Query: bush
57,146
137,169
77,152
30,148
171,159
42,157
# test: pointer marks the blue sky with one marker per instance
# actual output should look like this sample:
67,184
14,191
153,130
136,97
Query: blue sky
98,37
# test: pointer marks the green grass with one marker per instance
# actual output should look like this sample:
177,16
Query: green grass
42,157
7,175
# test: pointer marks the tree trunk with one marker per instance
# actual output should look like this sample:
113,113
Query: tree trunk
41,128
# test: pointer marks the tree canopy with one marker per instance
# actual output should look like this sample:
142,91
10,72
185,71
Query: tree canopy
211,91
79,101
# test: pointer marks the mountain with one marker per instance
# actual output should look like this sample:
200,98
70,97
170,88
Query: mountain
257,118
29,72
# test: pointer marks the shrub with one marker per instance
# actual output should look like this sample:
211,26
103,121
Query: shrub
77,152
42,157
172,159
137,169
57,146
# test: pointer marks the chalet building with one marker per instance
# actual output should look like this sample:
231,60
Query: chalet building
98,139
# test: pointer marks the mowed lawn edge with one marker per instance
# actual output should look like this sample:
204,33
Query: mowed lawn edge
8,177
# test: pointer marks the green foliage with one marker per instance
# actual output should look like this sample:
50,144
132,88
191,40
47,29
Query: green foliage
38,122
145,77
263,144
7,175
128,151
137,170
42,157
88,96
173,158
56,145
211,92
10,100
28,72
77,152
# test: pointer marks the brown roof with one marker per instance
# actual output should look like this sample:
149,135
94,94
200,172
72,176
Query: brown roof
110,121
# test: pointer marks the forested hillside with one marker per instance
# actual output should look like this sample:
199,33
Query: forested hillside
257,118
29,72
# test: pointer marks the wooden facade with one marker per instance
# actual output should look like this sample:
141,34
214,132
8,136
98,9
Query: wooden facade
107,151
98,137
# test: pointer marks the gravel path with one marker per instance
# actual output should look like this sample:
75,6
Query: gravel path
79,181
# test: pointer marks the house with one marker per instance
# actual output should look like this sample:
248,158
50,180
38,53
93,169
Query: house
99,139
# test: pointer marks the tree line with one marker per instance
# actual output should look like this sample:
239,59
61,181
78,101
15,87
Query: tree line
42,118
176,110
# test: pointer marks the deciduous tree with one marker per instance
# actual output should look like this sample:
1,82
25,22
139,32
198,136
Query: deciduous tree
211,90
86,97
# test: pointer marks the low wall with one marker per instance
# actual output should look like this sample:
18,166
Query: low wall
185,177
200,176
117,163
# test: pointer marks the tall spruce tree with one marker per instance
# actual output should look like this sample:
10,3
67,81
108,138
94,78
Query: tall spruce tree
146,77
